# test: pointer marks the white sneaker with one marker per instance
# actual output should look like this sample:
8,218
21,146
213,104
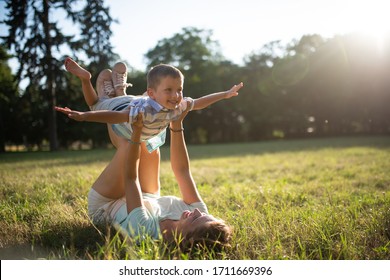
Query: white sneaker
104,86
119,78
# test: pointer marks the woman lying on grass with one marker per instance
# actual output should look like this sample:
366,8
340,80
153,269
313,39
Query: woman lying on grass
132,200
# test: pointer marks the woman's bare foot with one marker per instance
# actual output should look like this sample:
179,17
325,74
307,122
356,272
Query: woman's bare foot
72,67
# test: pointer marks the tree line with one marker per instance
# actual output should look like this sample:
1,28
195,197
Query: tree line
309,87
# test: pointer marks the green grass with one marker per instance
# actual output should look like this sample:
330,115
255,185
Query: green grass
301,199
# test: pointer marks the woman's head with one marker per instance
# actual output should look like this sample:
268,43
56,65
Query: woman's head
198,228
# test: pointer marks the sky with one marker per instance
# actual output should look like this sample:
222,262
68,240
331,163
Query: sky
240,26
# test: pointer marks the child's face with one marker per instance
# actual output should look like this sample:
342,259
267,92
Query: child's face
169,92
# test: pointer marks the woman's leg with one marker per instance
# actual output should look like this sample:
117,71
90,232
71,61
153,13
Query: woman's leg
149,170
116,140
149,164
111,182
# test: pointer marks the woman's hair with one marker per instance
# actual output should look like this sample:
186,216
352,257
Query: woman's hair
161,71
214,235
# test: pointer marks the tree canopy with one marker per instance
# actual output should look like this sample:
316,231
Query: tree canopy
310,87
36,39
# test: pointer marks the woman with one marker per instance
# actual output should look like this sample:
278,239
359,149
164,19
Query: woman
122,196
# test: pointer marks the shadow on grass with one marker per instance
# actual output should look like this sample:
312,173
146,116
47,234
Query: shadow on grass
60,241
85,242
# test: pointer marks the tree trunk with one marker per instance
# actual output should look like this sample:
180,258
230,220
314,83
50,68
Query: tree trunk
2,134
51,94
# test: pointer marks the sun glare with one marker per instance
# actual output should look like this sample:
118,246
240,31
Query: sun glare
368,18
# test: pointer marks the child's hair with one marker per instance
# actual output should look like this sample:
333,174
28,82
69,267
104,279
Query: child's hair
161,71
215,235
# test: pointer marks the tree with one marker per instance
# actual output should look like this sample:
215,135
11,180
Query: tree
188,50
37,40
8,100
95,33
263,106
302,69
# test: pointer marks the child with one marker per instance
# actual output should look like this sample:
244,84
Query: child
162,103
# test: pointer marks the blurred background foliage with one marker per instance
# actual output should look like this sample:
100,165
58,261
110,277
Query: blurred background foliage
310,87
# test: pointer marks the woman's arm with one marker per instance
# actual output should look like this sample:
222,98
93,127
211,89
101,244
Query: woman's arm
207,100
103,116
181,164
133,192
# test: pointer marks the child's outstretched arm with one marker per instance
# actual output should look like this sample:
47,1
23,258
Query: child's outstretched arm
205,101
103,116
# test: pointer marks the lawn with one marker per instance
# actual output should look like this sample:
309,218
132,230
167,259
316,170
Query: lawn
297,199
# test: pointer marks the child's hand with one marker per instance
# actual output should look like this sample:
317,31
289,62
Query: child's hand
75,115
234,90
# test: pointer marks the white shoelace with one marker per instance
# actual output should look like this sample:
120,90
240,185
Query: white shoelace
120,80
108,89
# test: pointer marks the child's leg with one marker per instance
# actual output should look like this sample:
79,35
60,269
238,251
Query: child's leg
85,77
119,78
149,170
104,85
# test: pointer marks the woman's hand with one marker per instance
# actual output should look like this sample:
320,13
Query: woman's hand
137,129
138,123
177,124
